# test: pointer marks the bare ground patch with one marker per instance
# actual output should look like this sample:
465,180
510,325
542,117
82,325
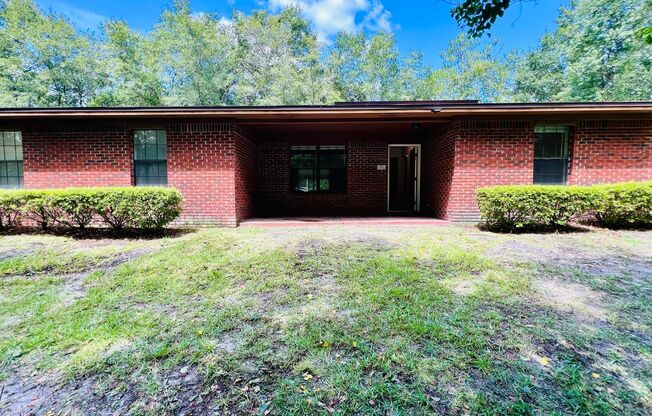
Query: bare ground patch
570,298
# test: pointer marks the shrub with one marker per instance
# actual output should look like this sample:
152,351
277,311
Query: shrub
532,206
509,208
11,205
118,208
146,208
71,207
624,204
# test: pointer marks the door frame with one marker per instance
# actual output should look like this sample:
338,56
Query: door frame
417,191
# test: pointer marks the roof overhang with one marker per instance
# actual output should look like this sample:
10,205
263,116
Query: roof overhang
341,111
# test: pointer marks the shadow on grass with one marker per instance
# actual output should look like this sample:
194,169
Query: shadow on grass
538,229
102,233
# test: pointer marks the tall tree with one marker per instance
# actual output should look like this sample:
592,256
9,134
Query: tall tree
473,71
133,65
44,60
278,61
593,55
195,55
366,69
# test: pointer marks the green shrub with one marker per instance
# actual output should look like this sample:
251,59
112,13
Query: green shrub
118,208
509,208
72,207
11,205
624,204
532,206
36,210
146,208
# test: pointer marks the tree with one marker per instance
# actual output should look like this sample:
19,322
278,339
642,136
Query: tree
480,15
44,61
133,67
366,69
278,61
196,59
593,55
473,71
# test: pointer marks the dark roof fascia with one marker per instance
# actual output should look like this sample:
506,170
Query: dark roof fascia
371,110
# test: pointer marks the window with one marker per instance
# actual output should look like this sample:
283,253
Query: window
150,157
550,155
318,168
11,159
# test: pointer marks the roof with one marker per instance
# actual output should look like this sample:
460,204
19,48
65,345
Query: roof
342,110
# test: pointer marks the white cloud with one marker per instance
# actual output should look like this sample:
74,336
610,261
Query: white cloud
331,16
79,17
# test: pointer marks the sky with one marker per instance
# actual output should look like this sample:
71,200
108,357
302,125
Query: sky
424,25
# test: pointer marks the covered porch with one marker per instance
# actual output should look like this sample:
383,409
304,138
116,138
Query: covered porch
340,170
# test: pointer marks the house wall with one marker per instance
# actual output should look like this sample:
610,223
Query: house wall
227,174
66,155
202,166
502,153
245,175
437,170
211,164
611,151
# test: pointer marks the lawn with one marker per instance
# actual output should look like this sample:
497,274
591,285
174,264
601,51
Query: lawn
328,320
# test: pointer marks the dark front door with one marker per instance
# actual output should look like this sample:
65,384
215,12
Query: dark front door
403,178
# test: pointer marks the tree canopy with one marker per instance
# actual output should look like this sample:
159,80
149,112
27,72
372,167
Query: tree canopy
597,52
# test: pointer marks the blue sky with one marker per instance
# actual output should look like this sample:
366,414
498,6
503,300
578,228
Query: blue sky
425,25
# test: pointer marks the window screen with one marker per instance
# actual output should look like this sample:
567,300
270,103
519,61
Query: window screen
551,155
318,168
11,159
150,157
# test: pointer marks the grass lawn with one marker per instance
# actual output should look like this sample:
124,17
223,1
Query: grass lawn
328,320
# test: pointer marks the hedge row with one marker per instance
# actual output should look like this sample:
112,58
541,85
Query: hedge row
508,208
117,208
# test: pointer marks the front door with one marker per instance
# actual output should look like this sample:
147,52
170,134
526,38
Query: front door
403,178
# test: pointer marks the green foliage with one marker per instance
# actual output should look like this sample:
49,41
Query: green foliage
625,204
193,58
44,60
479,15
118,208
514,207
10,209
508,208
600,50
597,53
473,71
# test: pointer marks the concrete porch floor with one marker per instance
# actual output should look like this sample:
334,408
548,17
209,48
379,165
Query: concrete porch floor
349,221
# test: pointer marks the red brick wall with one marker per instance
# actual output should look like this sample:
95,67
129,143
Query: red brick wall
611,151
488,153
366,186
225,176
438,162
67,155
245,175
202,164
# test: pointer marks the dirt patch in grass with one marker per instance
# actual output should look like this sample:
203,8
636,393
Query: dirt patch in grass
571,297
10,253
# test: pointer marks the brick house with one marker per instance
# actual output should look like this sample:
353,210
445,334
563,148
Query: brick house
362,159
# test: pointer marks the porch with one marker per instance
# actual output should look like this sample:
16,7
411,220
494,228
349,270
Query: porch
344,221
346,172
